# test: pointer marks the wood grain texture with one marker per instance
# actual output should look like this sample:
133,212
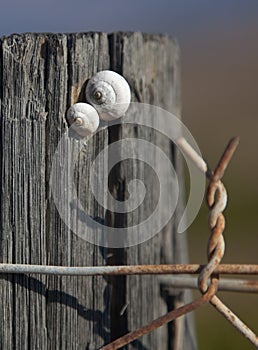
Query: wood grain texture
41,75
151,65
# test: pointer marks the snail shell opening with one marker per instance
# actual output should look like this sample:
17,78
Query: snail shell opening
83,118
109,93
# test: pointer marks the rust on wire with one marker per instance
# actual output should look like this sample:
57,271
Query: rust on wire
217,201
170,316
225,284
176,269
225,159
208,280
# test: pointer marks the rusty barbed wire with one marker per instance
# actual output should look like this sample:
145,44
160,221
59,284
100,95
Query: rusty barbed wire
208,280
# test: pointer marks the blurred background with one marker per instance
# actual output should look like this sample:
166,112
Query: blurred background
219,63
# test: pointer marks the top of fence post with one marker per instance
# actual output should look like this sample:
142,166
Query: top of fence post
41,76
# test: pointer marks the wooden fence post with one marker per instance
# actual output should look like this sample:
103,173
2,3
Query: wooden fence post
41,75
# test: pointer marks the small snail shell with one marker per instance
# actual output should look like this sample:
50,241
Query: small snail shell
83,118
109,93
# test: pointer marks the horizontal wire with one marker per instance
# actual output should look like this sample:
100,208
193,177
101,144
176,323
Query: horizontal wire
234,285
237,269
160,321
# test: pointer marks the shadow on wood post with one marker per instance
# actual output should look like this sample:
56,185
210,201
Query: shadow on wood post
41,76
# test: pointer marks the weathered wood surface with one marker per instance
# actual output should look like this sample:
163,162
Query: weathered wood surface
41,75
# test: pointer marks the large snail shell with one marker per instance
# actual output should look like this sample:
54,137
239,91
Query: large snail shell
83,118
109,93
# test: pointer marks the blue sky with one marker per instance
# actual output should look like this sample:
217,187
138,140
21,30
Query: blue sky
180,18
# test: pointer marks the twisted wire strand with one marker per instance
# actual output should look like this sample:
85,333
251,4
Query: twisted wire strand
208,275
216,244
216,252
217,200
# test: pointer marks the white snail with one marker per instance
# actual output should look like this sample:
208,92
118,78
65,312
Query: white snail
109,93
83,118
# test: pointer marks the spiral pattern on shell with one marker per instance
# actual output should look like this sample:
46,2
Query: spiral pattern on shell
109,93
83,118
